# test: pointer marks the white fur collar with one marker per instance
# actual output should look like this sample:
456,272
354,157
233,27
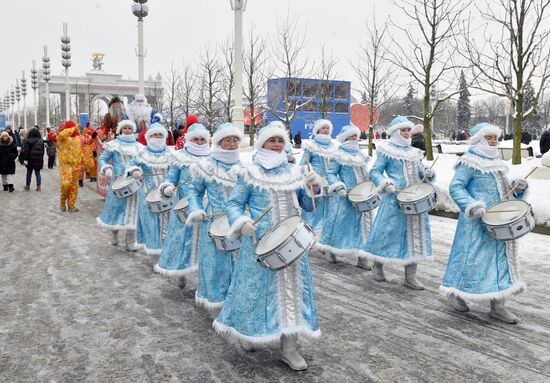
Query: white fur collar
127,149
160,160
329,152
212,173
358,160
393,151
181,158
484,165
255,176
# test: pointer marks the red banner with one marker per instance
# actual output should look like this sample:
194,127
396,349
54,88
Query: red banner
360,116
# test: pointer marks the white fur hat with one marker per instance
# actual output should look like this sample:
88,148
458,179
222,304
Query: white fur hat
348,131
124,123
320,124
479,131
197,130
157,127
398,123
140,97
224,130
273,129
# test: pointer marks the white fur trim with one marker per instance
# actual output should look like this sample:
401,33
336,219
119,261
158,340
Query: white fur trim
159,160
142,246
268,132
104,168
340,252
320,124
237,225
156,128
129,149
393,128
129,170
484,165
330,152
235,337
487,131
140,97
125,123
115,227
405,262
182,158
227,132
164,184
348,133
381,189
174,273
192,216
516,288
290,181
211,307
473,206
335,187
394,151
197,133
357,160
211,173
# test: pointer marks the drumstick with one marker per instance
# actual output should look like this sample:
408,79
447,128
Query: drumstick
516,185
152,174
501,211
311,186
430,168
183,183
261,216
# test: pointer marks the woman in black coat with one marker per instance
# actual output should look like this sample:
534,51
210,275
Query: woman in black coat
32,156
8,154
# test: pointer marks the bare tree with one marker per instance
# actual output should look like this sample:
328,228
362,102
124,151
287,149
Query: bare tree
429,56
228,78
327,73
157,94
375,73
173,89
255,63
211,73
188,89
519,55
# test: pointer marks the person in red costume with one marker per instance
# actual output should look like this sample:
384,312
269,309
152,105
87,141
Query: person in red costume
191,119
89,155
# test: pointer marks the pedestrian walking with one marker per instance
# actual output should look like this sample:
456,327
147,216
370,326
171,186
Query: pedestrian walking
32,156
8,154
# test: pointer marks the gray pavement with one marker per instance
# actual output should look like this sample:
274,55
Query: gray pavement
75,309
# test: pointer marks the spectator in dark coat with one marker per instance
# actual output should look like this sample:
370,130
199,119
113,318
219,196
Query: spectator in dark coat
9,130
8,154
51,151
545,141
363,135
298,139
417,137
32,156
384,135
525,137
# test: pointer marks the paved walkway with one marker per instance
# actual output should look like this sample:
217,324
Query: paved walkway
75,309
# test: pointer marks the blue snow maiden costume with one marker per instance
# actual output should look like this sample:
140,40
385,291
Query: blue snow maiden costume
319,152
180,249
481,268
215,178
263,306
346,229
152,163
394,236
119,213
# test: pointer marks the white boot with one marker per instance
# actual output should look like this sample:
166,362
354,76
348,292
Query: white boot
363,263
410,278
247,346
378,272
290,353
131,240
114,237
458,303
500,312
331,257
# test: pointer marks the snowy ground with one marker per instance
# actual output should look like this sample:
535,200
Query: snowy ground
75,309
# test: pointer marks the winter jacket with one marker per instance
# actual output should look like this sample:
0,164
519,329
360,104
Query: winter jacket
418,141
525,137
50,148
33,152
8,154
544,142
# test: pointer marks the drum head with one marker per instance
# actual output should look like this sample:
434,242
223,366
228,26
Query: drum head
220,226
182,204
153,195
501,218
415,192
278,235
120,182
362,192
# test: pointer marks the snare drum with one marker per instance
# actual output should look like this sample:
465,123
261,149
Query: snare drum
417,199
182,209
507,226
124,187
158,203
218,234
285,244
364,197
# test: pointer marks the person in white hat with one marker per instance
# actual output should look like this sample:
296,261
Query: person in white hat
180,250
346,231
119,213
265,307
481,268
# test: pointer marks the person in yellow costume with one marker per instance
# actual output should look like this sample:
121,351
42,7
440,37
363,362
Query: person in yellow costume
89,161
69,154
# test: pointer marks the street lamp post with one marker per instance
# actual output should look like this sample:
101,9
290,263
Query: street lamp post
140,9
34,84
24,94
66,62
18,98
237,114
12,102
46,77
7,107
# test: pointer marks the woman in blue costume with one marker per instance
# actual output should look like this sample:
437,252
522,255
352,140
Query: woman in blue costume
319,152
119,213
180,248
396,237
481,268
151,164
262,306
345,233
215,178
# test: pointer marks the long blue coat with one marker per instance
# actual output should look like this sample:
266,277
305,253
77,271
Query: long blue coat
180,249
480,268
394,236
118,213
347,229
151,228
320,155
261,304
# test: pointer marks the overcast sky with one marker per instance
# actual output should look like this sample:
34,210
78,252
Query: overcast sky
174,30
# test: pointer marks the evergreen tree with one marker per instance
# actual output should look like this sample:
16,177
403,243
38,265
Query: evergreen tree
463,108
364,99
533,123
409,101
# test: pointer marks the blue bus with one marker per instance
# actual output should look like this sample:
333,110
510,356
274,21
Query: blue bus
335,95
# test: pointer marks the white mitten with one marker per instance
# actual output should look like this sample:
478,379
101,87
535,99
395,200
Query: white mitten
248,229
195,217
390,188
478,212
168,190
137,174
291,159
428,173
109,173
342,193
312,178
520,184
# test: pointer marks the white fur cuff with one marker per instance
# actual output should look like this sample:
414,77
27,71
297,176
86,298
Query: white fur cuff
163,184
131,169
473,206
336,187
237,225
383,185
192,217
